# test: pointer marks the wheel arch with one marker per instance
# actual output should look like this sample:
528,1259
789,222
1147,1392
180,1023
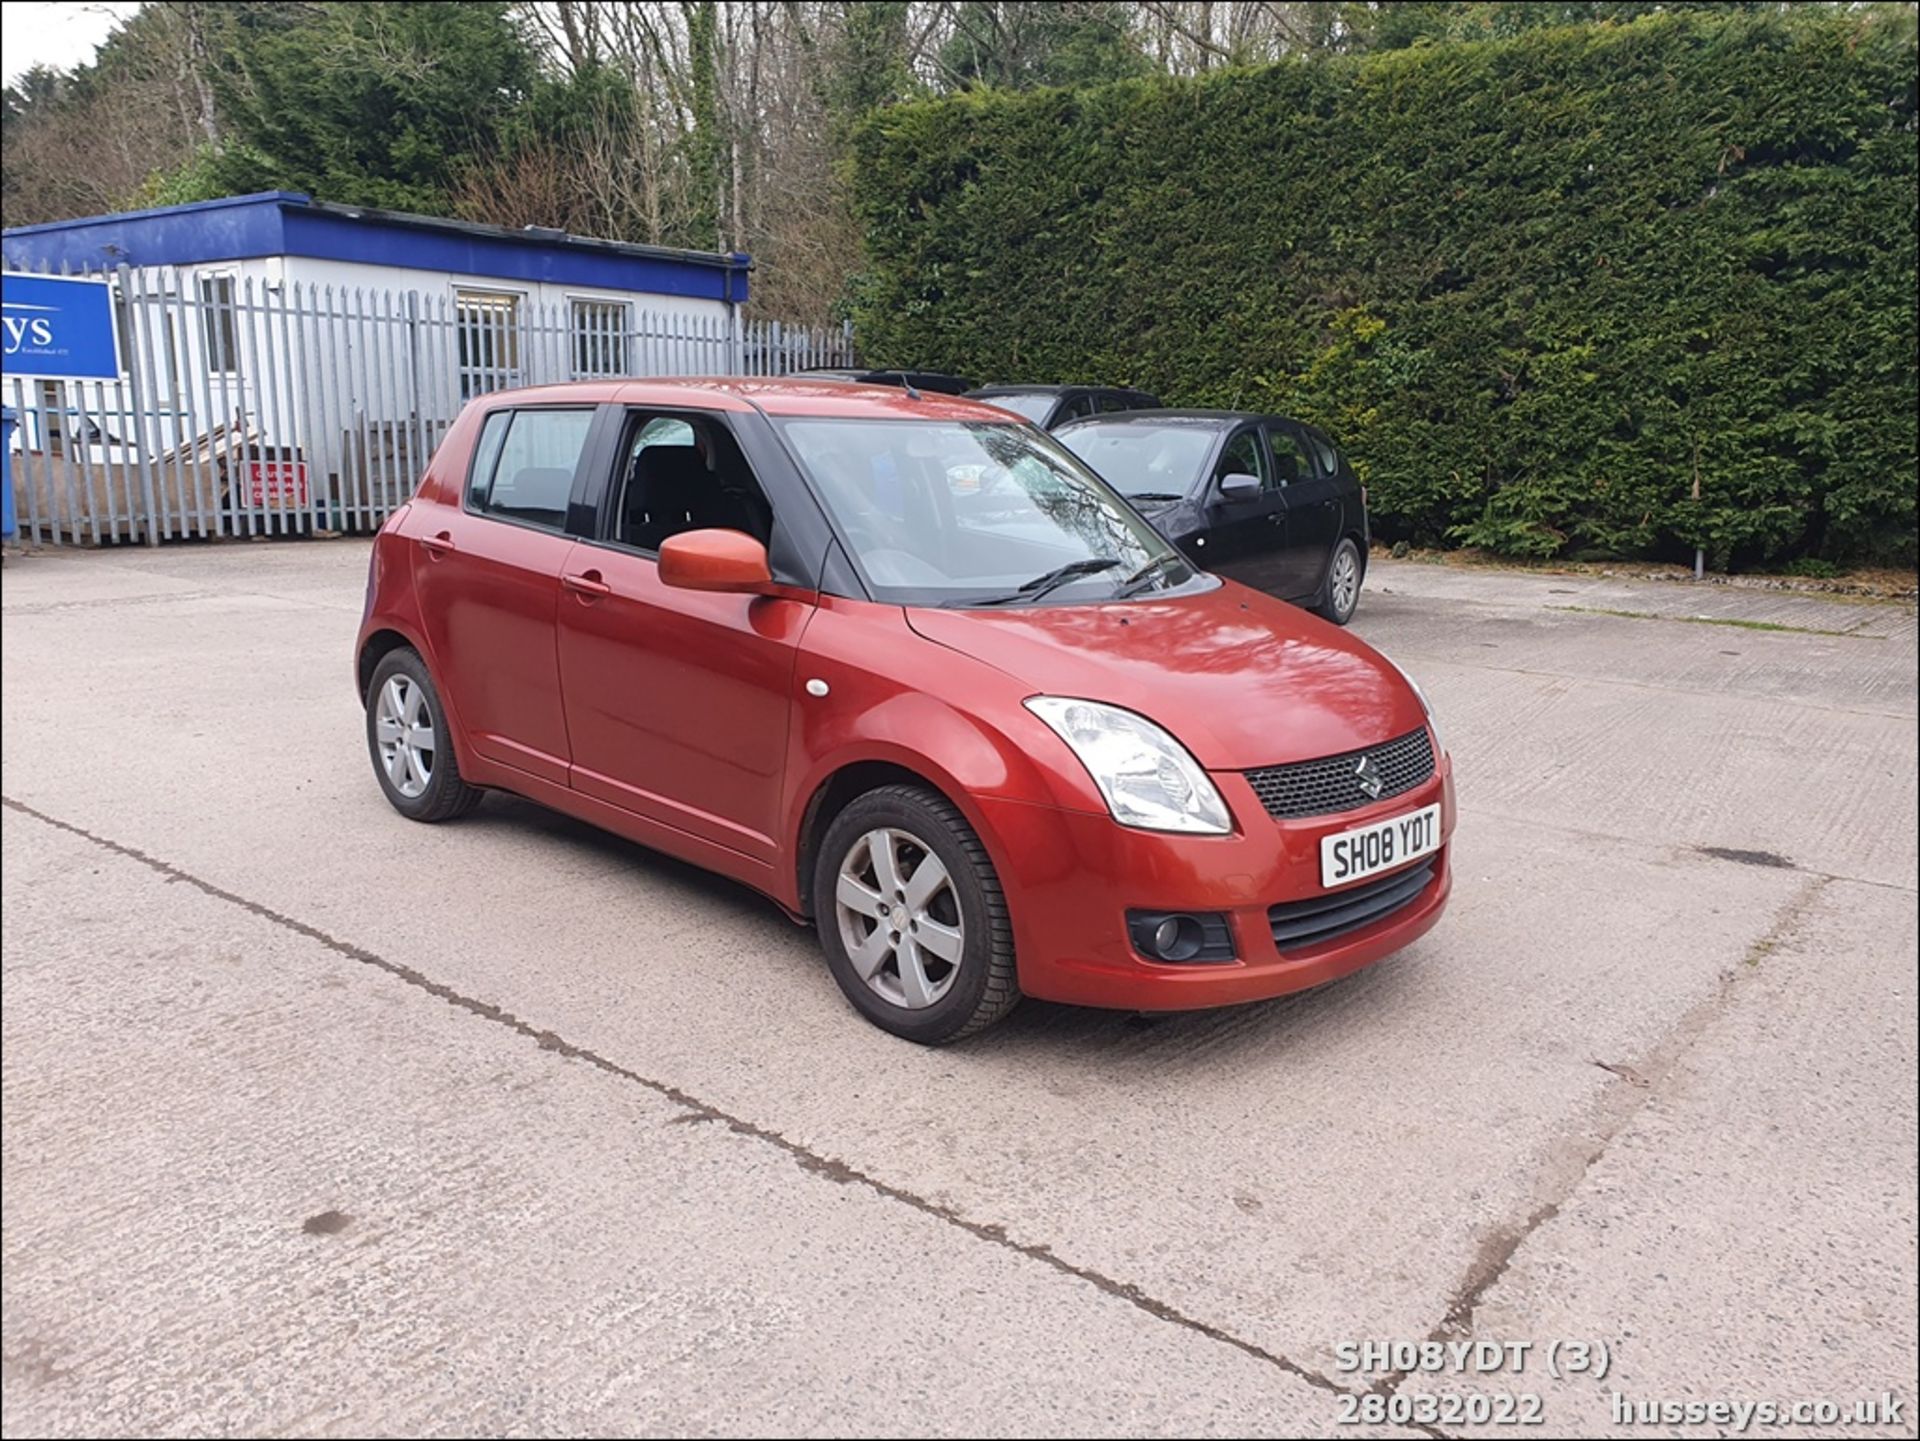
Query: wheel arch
376,647
1359,539
380,640
846,784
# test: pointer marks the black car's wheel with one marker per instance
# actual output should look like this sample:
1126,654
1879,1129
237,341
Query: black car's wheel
912,918
1340,593
412,748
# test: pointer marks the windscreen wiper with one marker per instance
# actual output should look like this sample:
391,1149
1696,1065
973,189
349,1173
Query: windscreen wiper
1152,495
1131,585
1052,580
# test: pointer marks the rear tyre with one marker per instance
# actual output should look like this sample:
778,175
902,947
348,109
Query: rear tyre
1340,593
411,746
912,918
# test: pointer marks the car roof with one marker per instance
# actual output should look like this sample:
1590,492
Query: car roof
1198,419
938,380
776,395
1060,389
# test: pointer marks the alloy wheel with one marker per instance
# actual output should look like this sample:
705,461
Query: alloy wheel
899,918
403,726
1346,580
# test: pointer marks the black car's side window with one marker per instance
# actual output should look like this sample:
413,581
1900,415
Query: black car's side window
1079,408
1113,403
1244,455
524,464
1292,461
1326,458
684,472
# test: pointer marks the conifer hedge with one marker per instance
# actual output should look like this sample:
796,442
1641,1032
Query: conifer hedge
1541,289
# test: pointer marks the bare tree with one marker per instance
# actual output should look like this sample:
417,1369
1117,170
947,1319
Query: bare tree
731,135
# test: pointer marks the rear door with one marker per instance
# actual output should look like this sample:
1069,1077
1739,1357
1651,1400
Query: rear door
487,569
677,701
1310,489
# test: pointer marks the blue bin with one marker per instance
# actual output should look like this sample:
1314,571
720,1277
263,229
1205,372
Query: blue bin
8,419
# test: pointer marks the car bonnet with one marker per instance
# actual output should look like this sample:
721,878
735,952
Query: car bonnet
1243,680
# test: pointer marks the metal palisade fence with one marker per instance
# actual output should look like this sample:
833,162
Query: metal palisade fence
249,407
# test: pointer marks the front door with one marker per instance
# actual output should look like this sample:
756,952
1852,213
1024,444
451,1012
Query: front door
487,572
1074,405
1310,491
1244,533
677,701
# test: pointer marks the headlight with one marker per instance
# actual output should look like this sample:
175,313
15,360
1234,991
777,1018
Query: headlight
1148,779
1425,704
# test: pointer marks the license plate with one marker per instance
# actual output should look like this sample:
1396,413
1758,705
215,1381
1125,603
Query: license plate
1355,855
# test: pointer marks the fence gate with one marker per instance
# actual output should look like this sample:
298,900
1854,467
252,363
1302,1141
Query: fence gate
258,408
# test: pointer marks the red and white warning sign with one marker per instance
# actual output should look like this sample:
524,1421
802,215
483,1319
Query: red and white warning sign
277,484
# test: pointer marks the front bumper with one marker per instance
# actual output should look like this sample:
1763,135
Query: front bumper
1071,876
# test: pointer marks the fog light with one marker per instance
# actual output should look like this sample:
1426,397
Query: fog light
1177,938
1181,935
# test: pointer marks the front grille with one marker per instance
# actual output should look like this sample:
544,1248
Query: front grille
1325,786
1299,924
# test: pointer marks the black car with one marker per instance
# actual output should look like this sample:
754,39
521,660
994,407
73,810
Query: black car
909,379
1262,498
1049,406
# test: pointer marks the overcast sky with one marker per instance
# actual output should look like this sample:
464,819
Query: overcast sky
37,32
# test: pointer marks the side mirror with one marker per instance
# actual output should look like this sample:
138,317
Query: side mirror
722,560
1240,486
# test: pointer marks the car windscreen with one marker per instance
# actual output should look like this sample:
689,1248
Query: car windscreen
1034,405
1140,460
967,512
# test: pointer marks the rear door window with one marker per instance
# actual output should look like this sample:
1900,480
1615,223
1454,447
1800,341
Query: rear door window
524,465
1327,459
1293,462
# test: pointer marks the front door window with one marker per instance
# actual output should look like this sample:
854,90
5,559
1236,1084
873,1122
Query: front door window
1243,456
681,473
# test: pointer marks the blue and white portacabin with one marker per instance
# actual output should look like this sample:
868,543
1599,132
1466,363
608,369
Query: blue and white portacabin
326,336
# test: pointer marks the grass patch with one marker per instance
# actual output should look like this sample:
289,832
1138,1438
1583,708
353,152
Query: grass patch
1715,620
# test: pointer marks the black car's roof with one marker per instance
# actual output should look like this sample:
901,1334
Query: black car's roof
1200,419
1012,389
937,380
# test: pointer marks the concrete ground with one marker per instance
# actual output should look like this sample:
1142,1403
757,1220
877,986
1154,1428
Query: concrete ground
319,1121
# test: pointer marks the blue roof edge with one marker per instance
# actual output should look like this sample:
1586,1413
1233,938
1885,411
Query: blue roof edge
371,215
292,223
225,202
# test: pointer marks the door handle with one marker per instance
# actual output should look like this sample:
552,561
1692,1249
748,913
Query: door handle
1276,519
588,585
437,545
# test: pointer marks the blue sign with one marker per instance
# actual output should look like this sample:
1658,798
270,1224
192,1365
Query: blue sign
59,328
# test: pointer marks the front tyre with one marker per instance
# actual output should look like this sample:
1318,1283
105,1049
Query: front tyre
411,746
912,918
1340,596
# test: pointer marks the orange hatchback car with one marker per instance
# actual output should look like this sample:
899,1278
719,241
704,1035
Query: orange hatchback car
902,663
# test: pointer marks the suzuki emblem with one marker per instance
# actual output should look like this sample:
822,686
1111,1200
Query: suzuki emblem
1369,777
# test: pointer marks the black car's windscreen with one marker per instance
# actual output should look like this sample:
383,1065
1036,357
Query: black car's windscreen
1033,405
1143,461
958,512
